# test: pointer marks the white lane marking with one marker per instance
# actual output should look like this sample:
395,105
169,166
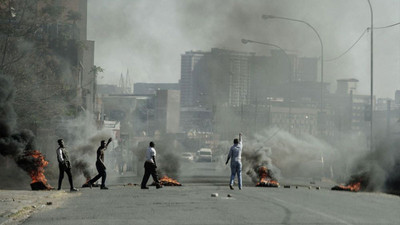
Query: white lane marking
313,211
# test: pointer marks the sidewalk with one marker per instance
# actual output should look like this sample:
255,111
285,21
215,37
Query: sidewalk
17,205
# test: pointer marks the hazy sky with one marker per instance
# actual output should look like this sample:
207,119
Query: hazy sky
148,36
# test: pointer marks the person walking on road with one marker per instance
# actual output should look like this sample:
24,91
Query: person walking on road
150,167
64,165
235,154
100,166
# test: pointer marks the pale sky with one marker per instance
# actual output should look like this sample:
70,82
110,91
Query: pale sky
148,36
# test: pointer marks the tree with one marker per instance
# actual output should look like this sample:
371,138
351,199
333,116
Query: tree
95,70
74,16
38,52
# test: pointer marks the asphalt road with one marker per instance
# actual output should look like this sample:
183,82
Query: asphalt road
192,203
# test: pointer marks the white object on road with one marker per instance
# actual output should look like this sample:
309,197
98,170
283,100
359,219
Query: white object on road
214,195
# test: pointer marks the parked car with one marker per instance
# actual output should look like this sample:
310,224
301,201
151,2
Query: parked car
204,155
187,156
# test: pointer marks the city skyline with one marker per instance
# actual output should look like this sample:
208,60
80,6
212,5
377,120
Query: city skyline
150,38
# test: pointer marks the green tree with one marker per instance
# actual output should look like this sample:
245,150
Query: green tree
73,16
37,51
95,70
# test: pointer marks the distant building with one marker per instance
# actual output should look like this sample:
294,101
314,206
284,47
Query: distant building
107,89
397,97
125,85
346,86
384,104
114,127
167,111
307,69
296,120
152,88
81,58
196,118
285,75
240,84
135,113
216,77
351,112
189,62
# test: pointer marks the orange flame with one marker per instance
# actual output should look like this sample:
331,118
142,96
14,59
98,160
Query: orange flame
356,186
266,180
167,181
37,174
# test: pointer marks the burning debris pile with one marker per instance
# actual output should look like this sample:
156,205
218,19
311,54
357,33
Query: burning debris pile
19,145
257,164
34,163
376,170
350,187
167,181
266,178
356,183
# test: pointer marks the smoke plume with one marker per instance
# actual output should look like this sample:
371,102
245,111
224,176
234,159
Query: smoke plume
378,170
82,139
18,145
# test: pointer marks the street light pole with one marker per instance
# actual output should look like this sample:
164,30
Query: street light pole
372,71
265,17
245,41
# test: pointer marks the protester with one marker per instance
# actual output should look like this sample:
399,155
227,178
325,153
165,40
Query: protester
64,165
150,167
235,153
100,166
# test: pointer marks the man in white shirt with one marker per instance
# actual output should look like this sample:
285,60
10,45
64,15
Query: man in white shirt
64,165
150,167
236,163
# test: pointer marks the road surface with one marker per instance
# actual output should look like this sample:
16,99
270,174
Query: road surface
193,203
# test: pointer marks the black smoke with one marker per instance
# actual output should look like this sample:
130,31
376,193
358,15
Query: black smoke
14,144
379,170
254,158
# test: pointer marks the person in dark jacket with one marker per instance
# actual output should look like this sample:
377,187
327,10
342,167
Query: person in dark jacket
100,166
64,165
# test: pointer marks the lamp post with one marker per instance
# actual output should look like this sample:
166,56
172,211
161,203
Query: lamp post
321,108
245,41
372,71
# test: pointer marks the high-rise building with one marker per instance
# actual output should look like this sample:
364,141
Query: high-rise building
216,77
307,69
189,61
242,84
